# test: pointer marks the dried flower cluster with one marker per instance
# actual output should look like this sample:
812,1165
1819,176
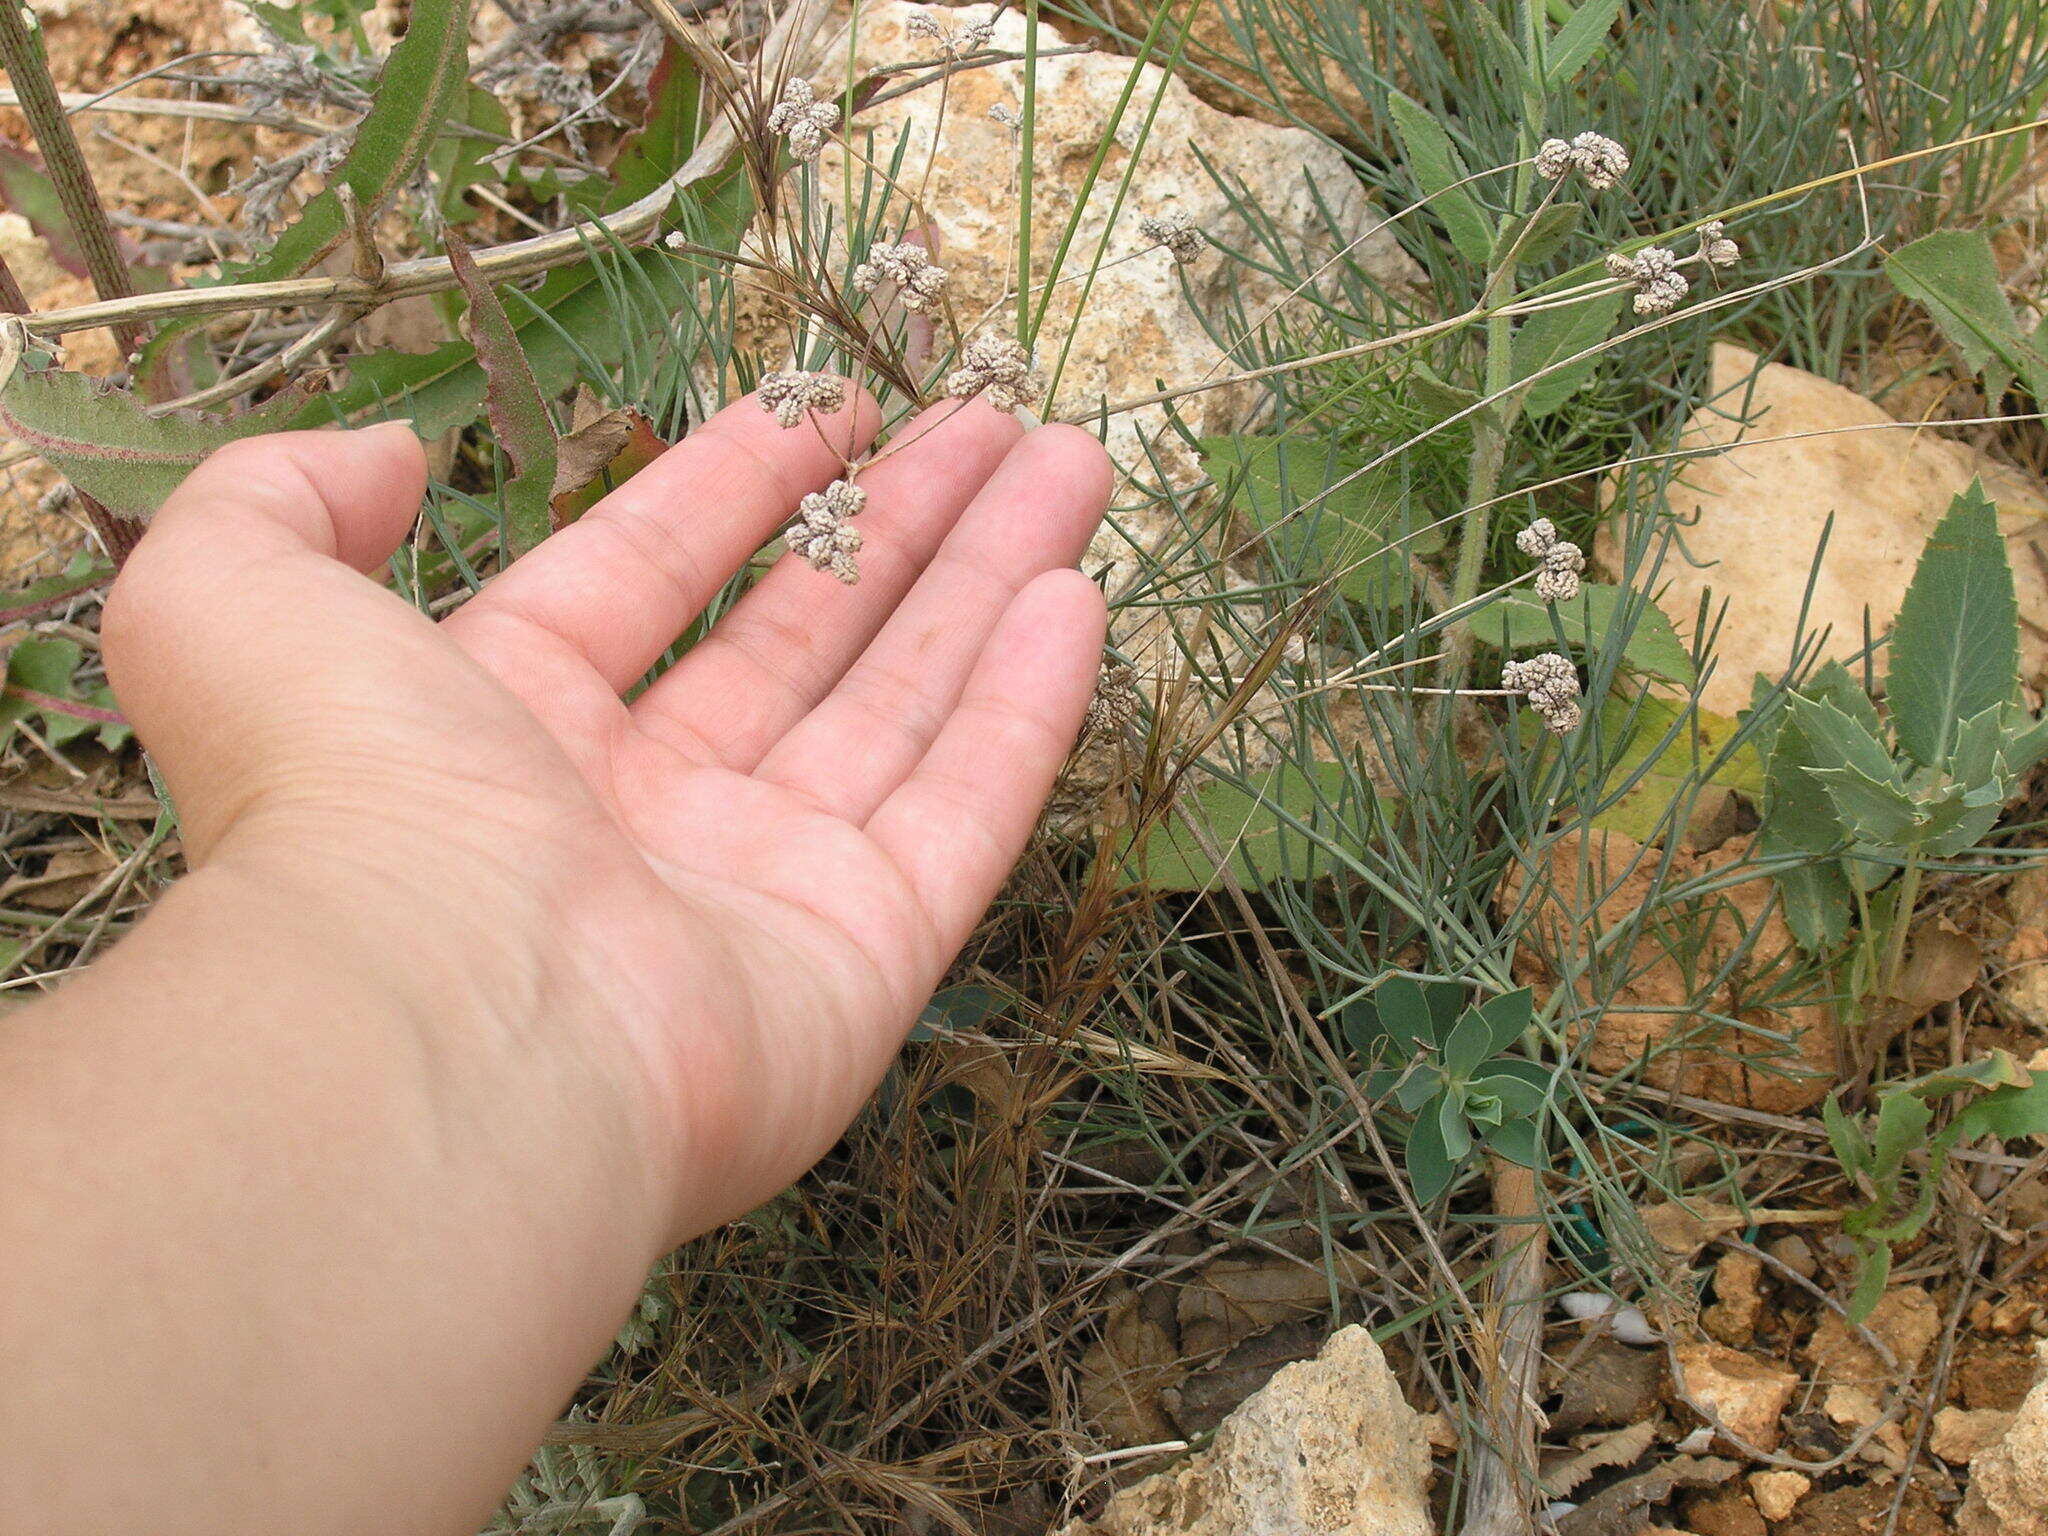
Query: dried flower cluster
1716,249
1006,116
1183,241
919,280
1551,684
1114,704
1653,273
959,43
1596,159
788,395
997,367
1560,559
821,534
803,120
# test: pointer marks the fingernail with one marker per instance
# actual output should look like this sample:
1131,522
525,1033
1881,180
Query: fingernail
396,421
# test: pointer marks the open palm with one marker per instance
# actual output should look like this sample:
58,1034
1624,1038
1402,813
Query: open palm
753,875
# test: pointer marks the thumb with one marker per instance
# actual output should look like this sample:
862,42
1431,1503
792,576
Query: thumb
242,627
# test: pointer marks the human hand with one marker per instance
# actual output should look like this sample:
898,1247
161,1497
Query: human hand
723,904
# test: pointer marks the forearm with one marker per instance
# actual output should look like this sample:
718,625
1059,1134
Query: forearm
315,1238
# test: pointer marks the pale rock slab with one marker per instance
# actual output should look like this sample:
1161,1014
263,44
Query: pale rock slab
1326,1448
1745,1392
1751,520
1132,329
2009,1480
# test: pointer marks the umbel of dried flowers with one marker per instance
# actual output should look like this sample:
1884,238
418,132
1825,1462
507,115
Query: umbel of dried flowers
1593,157
1561,561
1653,273
802,119
999,369
1551,684
821,533
788,395
919,281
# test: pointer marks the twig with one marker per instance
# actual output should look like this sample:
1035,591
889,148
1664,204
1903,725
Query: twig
1504,1459
69,173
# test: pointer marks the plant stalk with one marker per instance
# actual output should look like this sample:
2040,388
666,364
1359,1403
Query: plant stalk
22,54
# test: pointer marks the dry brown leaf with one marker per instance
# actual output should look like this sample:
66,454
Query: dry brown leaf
1608,1384
1233,1298
1615,1448
1122,1374
1618,1510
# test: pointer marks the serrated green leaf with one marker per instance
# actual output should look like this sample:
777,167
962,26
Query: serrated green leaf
1839,739
1902,1122
519,416
1438,168
2007,1113
1322,515
1877,812
1799,820
1551,335
1955,647
1516,620
1579,39
1251,827
1873,1272
1953,274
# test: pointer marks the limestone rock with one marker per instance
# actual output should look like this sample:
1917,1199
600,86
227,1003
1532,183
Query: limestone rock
1745,1392
1137,329
1326,1448
1906,1319
2023,975
1777,1494
1960,1433
1784,1061
2009,1481
1751,519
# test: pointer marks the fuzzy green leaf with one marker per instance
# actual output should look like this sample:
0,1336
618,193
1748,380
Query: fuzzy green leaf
1518,621
1953,274
423,80
1438,168
1251,828
1547,232
104,441
1955,648
519,416
2008,1113
1579,39
1548,337
1323,515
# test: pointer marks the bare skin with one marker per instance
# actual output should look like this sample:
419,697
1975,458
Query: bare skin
327,1185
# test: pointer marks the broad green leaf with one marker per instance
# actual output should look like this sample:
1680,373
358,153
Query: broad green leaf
1507,1017
519,416
1873,1271
1438,168
1902,1121
1519,1141
1518,621
1430,1163
1469,1045
1323,515
459,161
1249,827
1954,275
1440,399
1451,1124
40,682
1839,739
1957,818
1579,39
1666,748
1845,1137
1799,820
1551,335
1955,647
80,576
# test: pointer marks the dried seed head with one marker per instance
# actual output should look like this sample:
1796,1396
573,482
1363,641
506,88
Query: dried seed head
1597,160
997,367
1558,581
919,281
1561,561
954,43
802,119
1114,704
788,395
820,534
1716,249
1183,241
1007,116
1653,273
1551,684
